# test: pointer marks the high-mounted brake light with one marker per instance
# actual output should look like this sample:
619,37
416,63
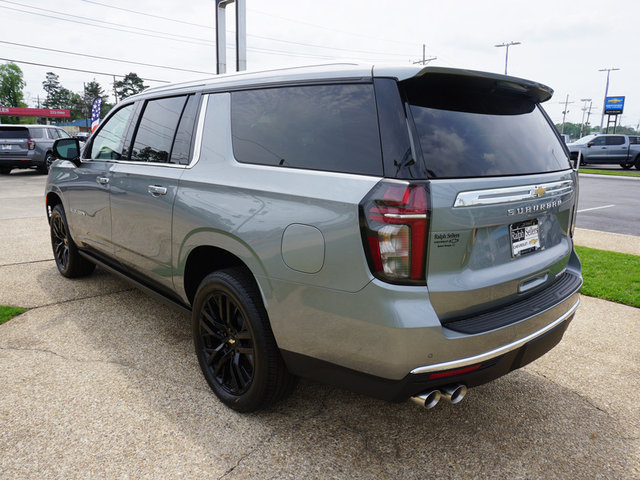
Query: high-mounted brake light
394,219
31,145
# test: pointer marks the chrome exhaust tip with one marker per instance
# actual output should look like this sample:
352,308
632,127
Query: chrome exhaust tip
427,399
454,393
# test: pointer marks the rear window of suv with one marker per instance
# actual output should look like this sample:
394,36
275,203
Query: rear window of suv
320,127
13,132
465,131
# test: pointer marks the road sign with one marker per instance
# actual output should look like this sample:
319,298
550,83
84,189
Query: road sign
614,105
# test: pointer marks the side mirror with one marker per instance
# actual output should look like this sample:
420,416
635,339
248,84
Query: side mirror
67,149
590,144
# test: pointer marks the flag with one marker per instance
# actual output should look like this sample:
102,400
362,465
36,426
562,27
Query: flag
95,113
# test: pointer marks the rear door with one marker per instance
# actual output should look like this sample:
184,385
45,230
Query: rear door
14,142
502,191
143,188
617,148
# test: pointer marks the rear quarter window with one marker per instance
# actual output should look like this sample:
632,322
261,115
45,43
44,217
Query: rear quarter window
320,127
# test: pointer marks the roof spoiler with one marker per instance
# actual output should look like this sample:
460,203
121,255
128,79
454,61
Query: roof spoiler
487,81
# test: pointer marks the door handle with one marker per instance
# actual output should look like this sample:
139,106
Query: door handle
102,180
156,190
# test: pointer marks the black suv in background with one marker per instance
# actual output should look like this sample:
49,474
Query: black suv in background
28,146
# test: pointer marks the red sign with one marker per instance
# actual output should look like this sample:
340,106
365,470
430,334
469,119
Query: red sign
34,112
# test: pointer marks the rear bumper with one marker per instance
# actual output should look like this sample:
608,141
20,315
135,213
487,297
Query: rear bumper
492,365
30,161
392,346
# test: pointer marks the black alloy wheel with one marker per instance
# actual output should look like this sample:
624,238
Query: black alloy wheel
68,260
60,242
234,343
227,343
49,159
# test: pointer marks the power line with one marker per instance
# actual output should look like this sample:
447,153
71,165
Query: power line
78,69
104,58
148,14
261,13
202,42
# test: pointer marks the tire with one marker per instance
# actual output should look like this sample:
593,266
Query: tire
637,162
234,343
46,165
626,166
68,260
5,170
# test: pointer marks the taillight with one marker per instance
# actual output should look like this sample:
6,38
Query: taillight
31,145
394,219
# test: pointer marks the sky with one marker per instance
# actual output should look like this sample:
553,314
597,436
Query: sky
563,44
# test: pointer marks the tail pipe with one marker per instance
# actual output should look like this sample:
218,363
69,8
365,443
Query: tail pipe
429,399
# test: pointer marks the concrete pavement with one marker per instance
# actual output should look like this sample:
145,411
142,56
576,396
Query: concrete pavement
99,380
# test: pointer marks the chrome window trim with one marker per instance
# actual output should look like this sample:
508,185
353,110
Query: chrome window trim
512,194
483,357
197,146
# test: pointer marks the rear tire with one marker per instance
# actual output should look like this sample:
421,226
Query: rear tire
637,162
626,166
5,170
68,260
234,343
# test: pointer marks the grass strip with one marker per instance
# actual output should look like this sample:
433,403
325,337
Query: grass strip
619,173
7,313
610,275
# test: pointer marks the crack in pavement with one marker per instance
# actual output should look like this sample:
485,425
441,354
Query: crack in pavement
26,263
106,362
71,300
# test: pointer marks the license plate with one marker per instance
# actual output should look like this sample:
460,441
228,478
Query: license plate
525,237
6,147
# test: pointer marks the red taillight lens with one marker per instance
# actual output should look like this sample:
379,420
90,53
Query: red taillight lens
394,218
31,145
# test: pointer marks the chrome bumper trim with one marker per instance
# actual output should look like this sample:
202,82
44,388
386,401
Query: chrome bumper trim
464,362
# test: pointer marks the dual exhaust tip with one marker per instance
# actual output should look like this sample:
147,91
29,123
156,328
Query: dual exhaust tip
429,399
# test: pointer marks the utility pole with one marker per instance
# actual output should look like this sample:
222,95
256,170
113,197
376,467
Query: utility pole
241,35
584,110
606,92
425,60
506,57
564,114
115,94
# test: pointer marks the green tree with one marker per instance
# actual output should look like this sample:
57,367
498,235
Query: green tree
52,87
129,85
11,85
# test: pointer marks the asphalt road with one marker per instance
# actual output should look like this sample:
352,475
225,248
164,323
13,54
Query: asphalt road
98,380
609,204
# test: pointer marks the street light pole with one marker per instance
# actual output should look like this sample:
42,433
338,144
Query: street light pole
606,92
506,57
584,110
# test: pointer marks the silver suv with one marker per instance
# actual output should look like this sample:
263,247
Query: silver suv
28,146
400,232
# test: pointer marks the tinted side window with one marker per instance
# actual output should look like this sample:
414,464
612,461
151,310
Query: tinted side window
615,140
63,134
37,132
53,133
598,141
325,127
109,141
157,128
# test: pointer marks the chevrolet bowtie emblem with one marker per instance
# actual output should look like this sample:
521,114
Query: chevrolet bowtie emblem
539,191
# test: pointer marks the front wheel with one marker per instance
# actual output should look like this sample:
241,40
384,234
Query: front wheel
68,260
5,170
234,343
626,166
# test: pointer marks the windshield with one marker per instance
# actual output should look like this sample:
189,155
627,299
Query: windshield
584,140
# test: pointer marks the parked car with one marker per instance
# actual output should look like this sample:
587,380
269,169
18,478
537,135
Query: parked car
27,146
382,229
607,149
